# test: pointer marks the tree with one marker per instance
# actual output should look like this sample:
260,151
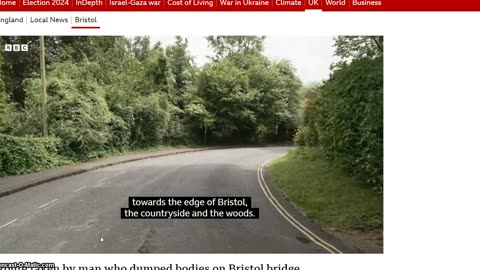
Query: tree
141,48
159,73
118,93
150,114
21,66
6,111
182,67
6,108
17,67
78,113
250,97
225,89
349,48
227,45
292,85
199,114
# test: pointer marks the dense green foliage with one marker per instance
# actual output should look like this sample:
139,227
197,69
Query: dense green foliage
108,94
348,48
251,97
227,45
78,113
6,108
344,116
21,155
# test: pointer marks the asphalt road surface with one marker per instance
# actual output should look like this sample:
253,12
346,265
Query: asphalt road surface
81,214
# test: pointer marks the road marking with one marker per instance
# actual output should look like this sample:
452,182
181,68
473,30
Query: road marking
5,225
52,201
79,189
118,173
106,178
313,237
103,179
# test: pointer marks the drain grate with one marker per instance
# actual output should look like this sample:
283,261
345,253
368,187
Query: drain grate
303,239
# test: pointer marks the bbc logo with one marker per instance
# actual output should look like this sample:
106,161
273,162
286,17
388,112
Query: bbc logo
16,47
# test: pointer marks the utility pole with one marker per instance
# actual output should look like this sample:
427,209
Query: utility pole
205,132
44,87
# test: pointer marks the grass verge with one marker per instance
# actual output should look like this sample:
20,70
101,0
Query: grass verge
324,193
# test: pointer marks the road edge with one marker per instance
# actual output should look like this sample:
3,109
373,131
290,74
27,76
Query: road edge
292,209
21,187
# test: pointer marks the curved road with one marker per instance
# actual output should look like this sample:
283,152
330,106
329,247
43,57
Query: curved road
74,214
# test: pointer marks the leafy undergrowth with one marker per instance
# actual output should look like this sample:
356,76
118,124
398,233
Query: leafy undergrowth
324,193
22,155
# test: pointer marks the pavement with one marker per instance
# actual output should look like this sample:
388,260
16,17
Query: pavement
80,212
12,184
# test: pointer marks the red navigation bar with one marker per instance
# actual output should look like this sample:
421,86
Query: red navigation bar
400,5
239,5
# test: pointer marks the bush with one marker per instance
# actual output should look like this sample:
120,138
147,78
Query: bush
77,111
150,120
26,154
120,131
299,137
305,136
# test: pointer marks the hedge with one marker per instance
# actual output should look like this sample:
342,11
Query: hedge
26,154
345,119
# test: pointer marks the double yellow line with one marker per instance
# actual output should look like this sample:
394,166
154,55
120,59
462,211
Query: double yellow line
313,237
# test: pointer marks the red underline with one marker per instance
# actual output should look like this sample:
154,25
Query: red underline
85,27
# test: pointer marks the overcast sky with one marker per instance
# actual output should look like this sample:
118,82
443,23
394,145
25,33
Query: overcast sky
311,56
